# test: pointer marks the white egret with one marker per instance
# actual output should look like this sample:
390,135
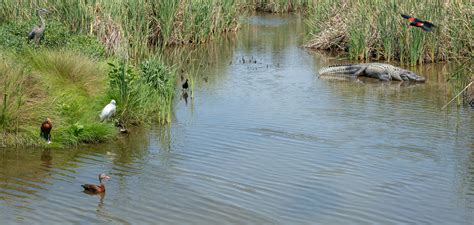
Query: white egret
108,111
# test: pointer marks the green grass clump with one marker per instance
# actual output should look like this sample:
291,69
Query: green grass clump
375,30
145,93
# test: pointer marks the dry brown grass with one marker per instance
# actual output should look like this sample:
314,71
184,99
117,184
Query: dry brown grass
333,36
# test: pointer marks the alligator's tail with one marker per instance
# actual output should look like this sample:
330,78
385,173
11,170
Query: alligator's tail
339,69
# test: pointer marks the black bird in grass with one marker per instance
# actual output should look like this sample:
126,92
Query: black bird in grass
185,85
425,25
45,128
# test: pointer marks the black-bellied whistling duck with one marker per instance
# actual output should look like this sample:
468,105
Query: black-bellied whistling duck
45,128
97,188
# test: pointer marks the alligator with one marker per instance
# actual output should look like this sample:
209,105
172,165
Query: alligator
381,71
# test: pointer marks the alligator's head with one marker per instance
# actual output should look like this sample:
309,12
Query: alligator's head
407,75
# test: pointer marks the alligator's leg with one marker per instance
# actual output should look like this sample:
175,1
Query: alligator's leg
384,76
360,71
396,76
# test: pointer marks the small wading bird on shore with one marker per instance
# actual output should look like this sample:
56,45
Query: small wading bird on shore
108,111
37,32
425,25
97,188
45,128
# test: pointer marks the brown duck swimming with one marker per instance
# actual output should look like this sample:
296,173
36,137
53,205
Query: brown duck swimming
97,188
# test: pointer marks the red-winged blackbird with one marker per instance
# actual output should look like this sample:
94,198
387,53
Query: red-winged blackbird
425,25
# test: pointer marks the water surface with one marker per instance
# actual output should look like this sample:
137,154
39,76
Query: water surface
264,141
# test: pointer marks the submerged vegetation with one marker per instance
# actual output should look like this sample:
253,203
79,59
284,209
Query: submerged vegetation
95,51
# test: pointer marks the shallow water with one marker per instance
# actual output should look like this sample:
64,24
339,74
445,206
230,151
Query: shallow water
264,141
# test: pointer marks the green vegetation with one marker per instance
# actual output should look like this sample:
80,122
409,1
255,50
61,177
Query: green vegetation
146,93
64,86
375,30
139,26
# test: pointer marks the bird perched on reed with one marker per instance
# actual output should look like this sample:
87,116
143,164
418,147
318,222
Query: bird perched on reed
45,130
108,111
425,25
37,32
97,188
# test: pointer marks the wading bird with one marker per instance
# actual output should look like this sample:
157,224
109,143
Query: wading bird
425,25
45,128
185,85
97,188
108,111
37,31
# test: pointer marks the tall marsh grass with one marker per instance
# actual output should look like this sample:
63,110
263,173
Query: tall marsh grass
368,29
139,26
145,93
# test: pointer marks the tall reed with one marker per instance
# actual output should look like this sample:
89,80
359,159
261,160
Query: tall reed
144,93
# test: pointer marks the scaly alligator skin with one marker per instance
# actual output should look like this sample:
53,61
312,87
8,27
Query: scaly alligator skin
380,71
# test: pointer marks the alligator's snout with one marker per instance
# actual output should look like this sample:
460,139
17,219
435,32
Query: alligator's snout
410,76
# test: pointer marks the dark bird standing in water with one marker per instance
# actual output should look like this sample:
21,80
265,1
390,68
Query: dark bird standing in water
37,31
97,188
425,25
45,128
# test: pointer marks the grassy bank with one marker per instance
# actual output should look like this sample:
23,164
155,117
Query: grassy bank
71,89
64,86
367,29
